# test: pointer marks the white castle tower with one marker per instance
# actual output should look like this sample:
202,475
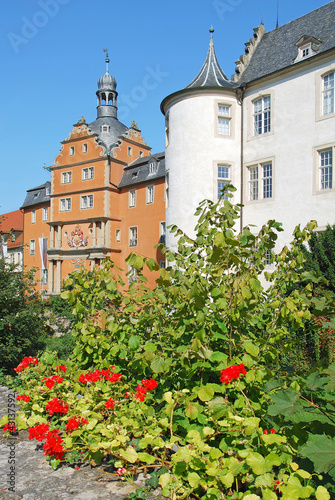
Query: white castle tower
202,143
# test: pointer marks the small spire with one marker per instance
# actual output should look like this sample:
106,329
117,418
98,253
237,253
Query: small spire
211,30
277,23
107,59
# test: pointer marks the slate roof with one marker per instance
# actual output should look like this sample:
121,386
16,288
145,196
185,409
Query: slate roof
210,75
36,196
137,172
277,49
116,129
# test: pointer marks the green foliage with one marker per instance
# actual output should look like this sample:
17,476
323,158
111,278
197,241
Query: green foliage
209,312
21,321
320,255
60,307
62,346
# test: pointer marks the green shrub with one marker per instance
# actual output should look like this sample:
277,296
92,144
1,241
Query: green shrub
209,314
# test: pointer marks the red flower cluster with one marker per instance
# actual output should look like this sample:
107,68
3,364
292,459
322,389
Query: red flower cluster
272,431
25,363
50,382
232,373
23,397
61,367
53,445
147,385
110,403
150,384
74,422
140,393
11,427
99,375
39,432
56,405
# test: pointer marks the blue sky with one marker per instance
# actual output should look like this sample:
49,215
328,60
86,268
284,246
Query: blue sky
51,55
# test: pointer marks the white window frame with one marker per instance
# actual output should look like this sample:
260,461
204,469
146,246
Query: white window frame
132,274
262,115
47,191
33,216
152,167
140,154
162,232
88,174
130,151
86,201
223,173
133,236
72,151
66,177
104,128
85,148
32,247
328,93
224,119
45,214
260,185
150,192
118,235
65,204
132,198
326,169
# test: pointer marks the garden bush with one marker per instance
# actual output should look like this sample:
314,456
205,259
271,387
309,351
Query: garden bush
185,381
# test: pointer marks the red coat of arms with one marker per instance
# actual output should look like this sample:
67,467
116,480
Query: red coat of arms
77,239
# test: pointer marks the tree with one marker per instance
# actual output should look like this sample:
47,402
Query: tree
21,319
320,255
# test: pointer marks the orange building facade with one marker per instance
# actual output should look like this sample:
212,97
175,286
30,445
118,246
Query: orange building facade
105,199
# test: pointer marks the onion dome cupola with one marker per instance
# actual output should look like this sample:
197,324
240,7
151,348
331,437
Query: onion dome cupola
210,75
106,94
106,125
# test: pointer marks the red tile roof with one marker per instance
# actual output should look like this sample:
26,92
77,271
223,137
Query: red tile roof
11,220
15,244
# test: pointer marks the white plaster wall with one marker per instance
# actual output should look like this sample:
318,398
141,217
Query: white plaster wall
297,133
193,151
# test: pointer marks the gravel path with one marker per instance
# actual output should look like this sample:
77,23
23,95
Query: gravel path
34,479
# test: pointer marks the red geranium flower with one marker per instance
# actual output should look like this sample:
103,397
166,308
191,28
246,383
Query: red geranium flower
56,405
149,384
11,427
232,373
61,367
27,361
39,432
53,445
110,403
74,422
23,397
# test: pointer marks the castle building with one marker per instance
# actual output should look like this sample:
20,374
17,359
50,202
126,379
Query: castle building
269,130
105,199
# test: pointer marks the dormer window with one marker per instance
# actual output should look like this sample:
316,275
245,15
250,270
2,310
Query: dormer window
307,46
152,167
104,128
36,195
134,175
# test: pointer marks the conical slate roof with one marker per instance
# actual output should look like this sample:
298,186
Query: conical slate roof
210,75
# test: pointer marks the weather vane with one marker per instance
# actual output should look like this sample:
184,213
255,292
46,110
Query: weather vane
107,58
